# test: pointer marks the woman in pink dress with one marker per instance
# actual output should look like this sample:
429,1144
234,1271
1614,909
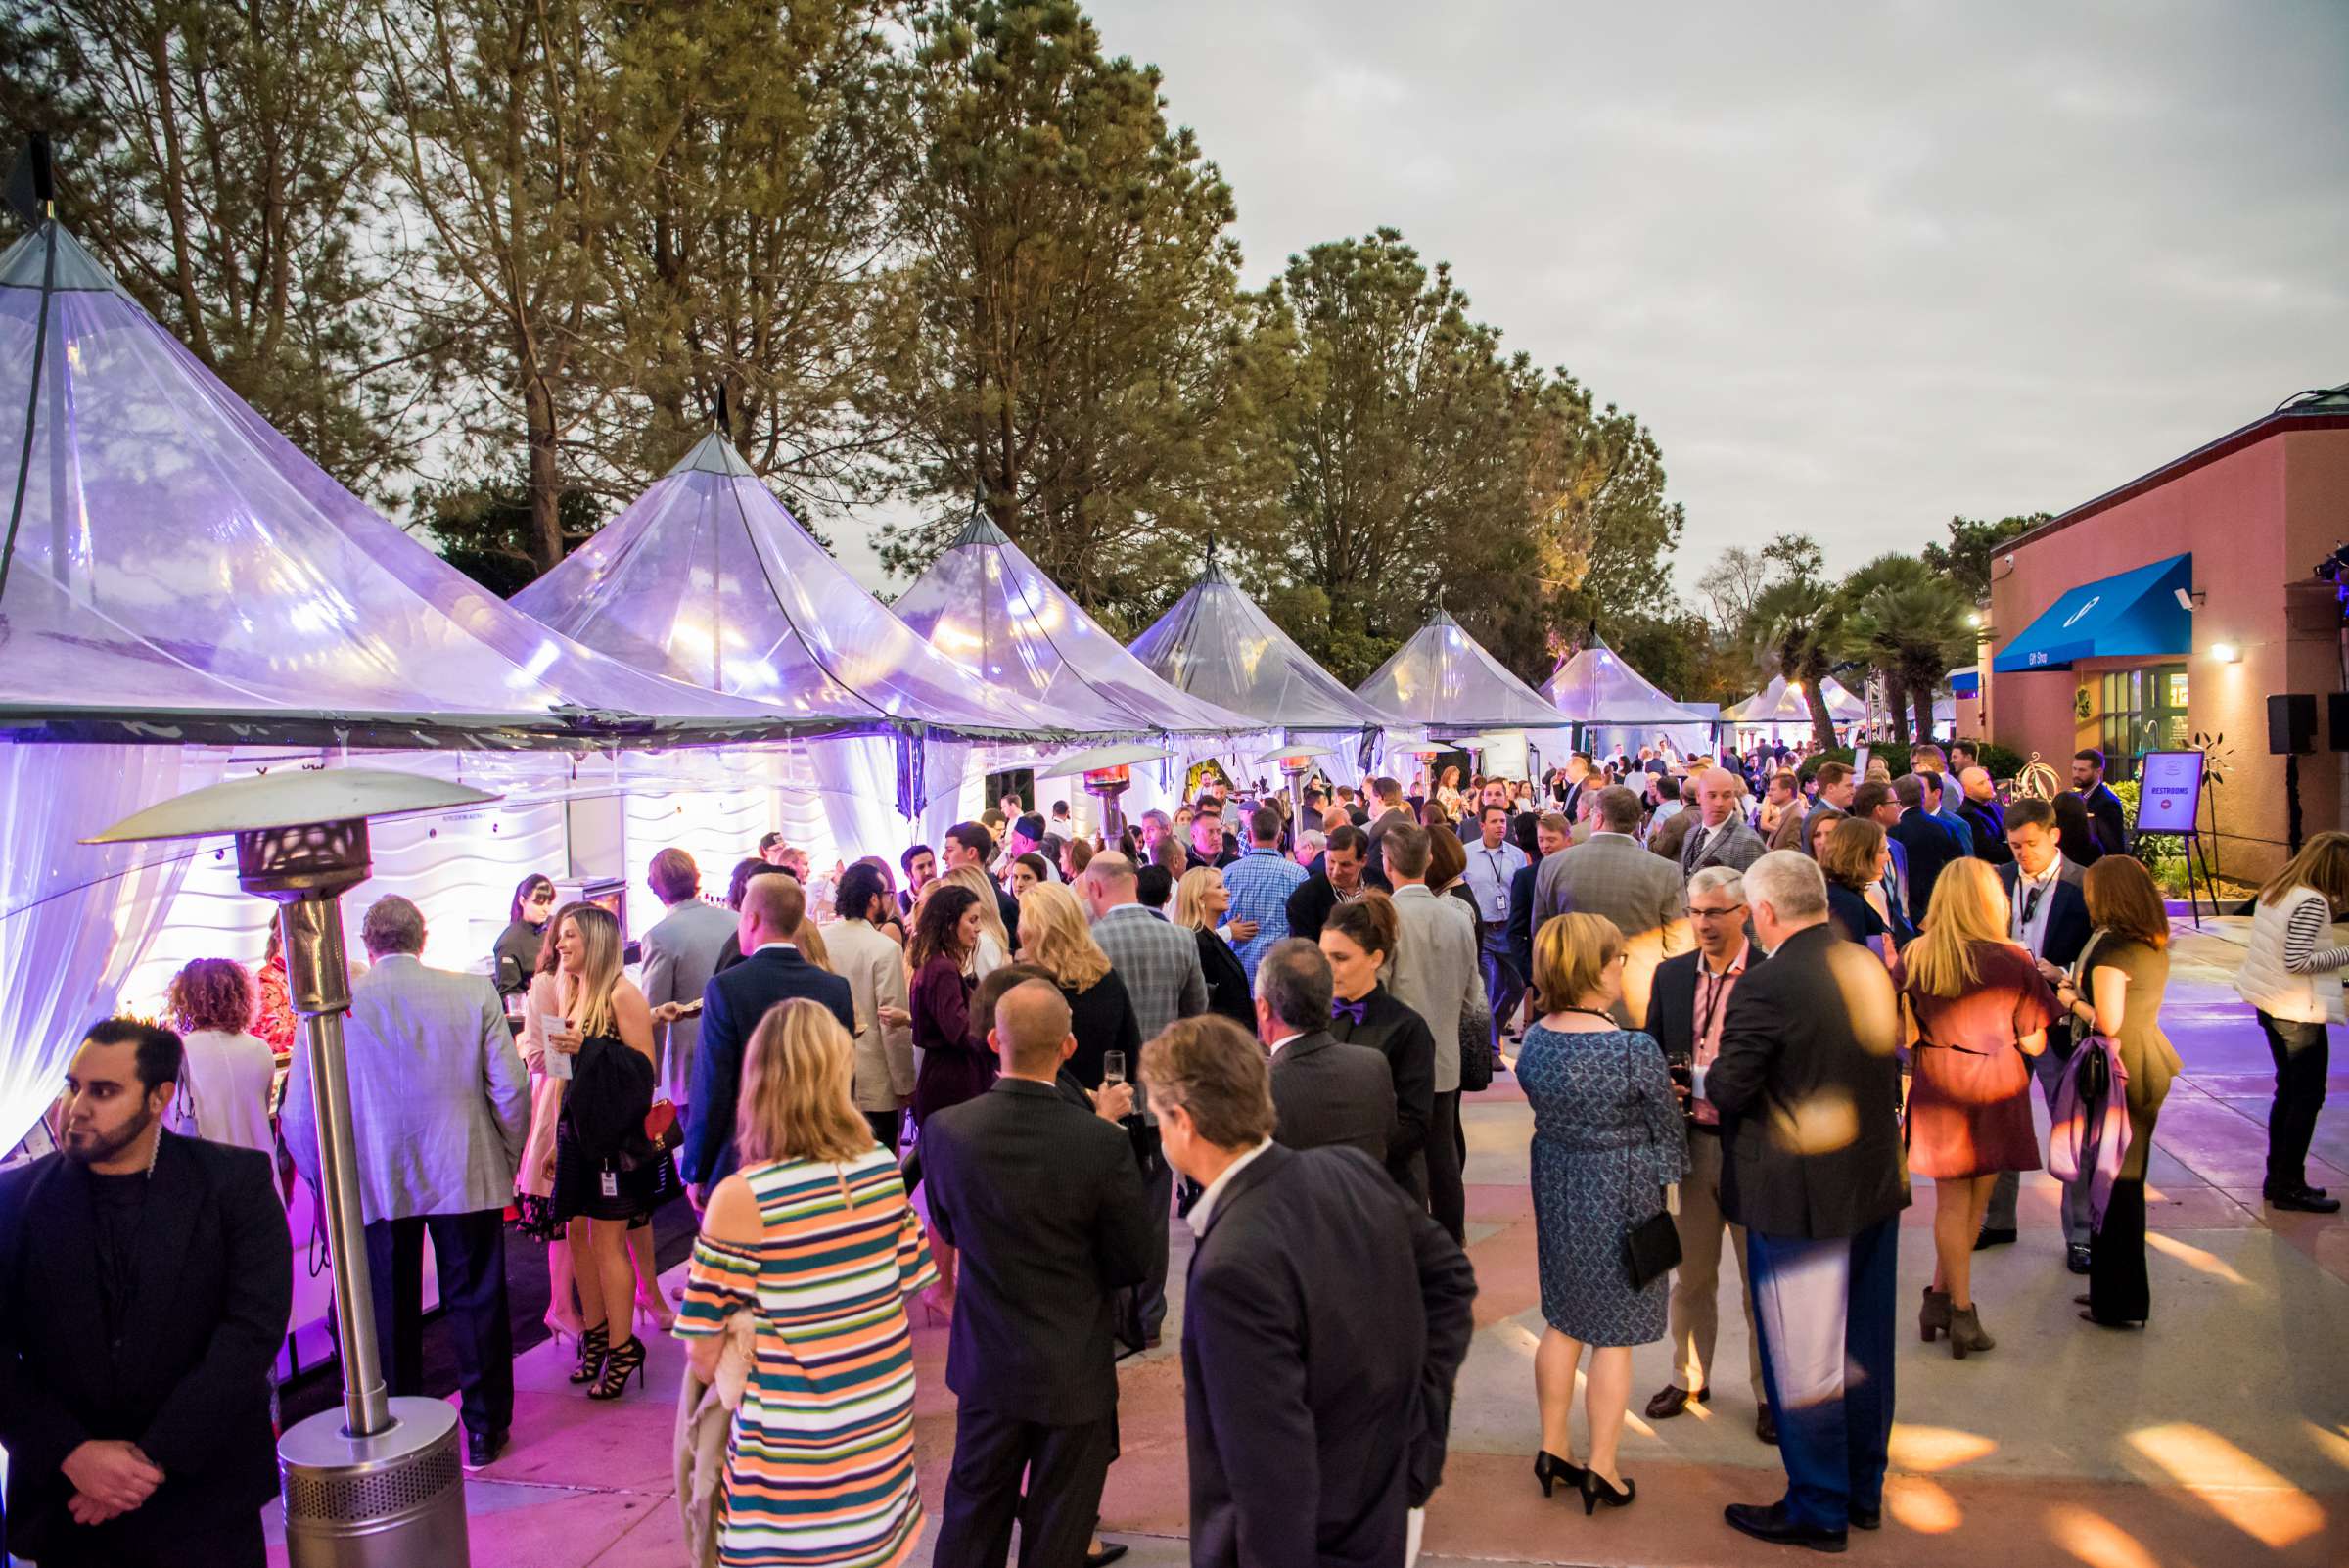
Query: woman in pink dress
1977,1007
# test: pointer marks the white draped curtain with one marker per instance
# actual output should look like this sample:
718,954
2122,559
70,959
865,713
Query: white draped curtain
74,918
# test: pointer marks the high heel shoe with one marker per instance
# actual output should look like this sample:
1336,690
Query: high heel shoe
1967,1333
654,1313
619,1364
1933,1317
1596,1490
1549,1470
559,1331
594,1345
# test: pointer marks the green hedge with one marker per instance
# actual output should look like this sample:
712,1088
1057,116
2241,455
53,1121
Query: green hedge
2003,762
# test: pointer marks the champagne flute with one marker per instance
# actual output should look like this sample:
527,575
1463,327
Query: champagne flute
1113,1069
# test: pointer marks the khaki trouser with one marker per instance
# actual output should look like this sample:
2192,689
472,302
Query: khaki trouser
1696,1283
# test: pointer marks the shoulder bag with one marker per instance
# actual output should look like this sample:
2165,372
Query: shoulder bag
1652,1248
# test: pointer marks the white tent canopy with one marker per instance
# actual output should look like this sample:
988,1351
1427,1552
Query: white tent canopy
1445,679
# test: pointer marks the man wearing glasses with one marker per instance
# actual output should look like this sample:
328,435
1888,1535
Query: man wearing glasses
1685,1009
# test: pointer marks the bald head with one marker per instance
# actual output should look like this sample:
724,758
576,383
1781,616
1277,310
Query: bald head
1976,781
1032,1034
772,906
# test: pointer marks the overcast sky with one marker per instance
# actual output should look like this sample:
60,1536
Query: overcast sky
1858,266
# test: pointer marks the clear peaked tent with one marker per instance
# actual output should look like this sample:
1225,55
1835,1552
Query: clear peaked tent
1217,643
992,611
1614,702
1782,708
707,578
179,582
1444,679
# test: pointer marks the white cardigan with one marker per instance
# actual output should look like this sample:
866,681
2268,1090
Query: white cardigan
2264,979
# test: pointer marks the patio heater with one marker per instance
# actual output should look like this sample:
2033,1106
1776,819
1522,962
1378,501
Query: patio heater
378,1484
1107,771
1106,785
1296,760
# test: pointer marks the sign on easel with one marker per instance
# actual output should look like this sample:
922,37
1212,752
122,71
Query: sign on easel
2169,795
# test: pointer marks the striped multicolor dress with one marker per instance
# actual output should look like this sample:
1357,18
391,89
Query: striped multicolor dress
820,1470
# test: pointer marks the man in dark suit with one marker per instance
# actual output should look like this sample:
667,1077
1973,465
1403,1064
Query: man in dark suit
1983,817
1391,811
1578,768
1324,1092
1343,863
1043,1203
2104,814
2047,915
1808,1084
1929,845
772,970
1611,875
1835,786
1718,835
1326,1318
145,1284
1549,837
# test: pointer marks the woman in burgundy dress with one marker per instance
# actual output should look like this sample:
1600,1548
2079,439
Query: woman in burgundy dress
1977,1007
957,1064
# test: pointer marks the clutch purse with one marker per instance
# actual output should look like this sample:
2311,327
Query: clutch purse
1652,1249
662,1129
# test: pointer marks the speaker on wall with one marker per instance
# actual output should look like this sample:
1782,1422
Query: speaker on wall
2291,723
2336,719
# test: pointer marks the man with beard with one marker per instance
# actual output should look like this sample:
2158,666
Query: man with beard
145,1283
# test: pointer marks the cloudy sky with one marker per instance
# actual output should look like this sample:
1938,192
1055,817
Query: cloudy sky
1858,266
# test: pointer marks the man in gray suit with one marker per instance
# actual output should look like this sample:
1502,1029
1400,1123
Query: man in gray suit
441,1105
681,955
1611,875
1325,1090
1436,973
1719,835
1159,963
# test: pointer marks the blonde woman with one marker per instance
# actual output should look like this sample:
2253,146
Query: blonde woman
602,1181
994,942
1056,937
1201,902
1978,1007
812,1239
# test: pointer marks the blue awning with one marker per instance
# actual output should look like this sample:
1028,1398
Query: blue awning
2134,615
1966,682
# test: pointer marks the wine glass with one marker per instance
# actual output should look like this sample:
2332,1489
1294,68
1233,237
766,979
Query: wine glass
1113,1069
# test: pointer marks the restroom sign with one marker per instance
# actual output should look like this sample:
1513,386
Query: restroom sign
2169,790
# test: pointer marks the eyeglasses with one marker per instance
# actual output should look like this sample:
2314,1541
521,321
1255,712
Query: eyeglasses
1722,913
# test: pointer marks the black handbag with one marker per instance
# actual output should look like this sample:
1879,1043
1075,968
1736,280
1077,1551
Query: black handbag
1652,1249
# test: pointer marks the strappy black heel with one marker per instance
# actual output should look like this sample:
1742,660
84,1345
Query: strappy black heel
619,1364
594,1346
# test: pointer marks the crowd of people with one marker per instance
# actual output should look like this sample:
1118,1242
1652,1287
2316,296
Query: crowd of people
1747,997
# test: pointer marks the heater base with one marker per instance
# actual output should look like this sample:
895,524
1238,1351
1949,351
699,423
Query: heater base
393,1500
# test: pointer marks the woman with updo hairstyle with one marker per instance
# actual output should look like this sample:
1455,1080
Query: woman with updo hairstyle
1852,857
1359,938
226,1073
1607,1142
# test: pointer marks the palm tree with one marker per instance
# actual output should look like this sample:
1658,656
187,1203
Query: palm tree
1908,621
1797,630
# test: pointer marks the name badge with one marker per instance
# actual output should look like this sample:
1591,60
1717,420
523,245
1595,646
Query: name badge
611,1183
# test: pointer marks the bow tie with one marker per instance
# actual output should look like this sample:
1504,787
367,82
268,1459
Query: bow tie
1357,1010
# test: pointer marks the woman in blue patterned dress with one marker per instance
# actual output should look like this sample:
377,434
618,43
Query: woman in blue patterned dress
812,1238
1608,1140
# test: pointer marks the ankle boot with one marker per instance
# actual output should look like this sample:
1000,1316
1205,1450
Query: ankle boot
1966,1335
1934,1316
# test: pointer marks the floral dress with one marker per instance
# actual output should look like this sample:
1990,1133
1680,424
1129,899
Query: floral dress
819,1466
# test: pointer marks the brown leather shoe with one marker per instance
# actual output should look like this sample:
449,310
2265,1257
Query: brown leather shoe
1672,1399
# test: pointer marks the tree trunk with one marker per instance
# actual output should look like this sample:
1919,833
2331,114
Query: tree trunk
1822,728
1895,701
1920,695
546,495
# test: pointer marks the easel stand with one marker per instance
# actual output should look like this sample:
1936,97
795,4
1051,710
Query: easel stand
2197,850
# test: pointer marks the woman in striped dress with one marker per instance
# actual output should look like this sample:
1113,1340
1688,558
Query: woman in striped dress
814,1238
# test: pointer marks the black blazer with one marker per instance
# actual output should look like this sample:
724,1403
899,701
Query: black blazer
1045,1204
2068,927
1808,1084
1325,1091
1325,1320
732,1004
1227,994
1521,918
2105,817
1990,830
188,1378
1929,847
1375,872
1401,1036
1671,1019
1101,1017
1308,907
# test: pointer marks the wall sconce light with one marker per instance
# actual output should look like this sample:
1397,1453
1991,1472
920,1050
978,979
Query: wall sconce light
2226,653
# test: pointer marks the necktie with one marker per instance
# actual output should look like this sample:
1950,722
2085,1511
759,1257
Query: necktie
1358,1009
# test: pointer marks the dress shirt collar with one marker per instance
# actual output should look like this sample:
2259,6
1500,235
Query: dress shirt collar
1737,963
1273,1050
1206,1205
2055,870
769,947
1610,833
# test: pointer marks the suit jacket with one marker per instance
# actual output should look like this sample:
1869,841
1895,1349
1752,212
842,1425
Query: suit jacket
1611,875
1401,1037
1323,1326
1737,847
732,1005
1044,1202
2105,817
1375,872
1521,919
1227,991
1789,835
187,1374
2068,925
1310,906
1435,972
681,955
1326,1092
1930,845
1808,1084
1989,825
439,1100
1671,1019
874,966
1159,962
